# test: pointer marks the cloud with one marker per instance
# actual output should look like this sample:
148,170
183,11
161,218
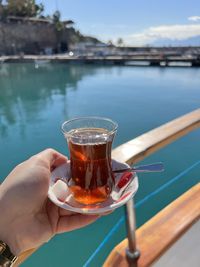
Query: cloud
194,18
172,32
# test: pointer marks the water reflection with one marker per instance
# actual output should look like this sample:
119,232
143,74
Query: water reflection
26,90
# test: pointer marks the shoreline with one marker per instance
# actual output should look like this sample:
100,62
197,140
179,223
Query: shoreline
127,60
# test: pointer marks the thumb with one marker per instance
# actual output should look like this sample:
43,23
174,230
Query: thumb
52,158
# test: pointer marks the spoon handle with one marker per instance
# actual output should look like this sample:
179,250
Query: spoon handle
155,167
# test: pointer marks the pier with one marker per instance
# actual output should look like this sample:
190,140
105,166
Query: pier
133,60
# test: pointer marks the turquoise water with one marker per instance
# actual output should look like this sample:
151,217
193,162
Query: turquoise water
35,101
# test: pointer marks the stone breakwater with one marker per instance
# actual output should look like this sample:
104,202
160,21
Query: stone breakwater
26,37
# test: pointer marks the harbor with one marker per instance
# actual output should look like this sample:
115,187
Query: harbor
138,59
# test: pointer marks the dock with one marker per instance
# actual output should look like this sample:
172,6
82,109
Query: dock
123,60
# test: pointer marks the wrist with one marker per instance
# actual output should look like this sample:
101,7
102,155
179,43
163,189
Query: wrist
7,258
9,240
7,235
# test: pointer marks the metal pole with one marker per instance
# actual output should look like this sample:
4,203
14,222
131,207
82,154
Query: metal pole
132,253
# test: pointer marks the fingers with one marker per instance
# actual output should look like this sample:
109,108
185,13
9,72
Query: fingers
58,161
68,223
63,212
52,158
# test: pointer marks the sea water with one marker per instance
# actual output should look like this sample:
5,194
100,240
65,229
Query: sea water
35,101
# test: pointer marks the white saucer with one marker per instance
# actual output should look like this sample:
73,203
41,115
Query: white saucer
126,185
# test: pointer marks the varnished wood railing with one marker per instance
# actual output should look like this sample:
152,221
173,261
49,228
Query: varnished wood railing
159,233
146,144
139,148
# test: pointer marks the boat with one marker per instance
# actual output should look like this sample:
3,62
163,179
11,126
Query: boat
172,237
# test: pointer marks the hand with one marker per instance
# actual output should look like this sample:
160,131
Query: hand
28,217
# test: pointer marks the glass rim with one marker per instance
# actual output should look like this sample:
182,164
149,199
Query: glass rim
115,125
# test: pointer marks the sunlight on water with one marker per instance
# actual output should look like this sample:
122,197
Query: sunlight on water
34,102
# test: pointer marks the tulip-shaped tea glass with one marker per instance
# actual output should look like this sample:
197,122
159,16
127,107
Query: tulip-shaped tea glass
90,143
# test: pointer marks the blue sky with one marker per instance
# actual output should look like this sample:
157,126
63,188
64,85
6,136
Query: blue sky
138,22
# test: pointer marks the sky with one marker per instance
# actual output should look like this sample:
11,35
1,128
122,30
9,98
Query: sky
137,22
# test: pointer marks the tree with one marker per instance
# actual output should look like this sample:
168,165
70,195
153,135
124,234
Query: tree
39,9
1,8
56,20
56,16
110,42
120,42
23,8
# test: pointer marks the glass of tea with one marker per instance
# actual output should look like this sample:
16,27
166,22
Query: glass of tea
90,143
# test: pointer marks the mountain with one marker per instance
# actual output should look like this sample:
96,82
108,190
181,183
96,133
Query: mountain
193,41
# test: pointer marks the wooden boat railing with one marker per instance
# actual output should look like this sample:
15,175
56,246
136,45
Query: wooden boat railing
158,234
131,153
134,151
